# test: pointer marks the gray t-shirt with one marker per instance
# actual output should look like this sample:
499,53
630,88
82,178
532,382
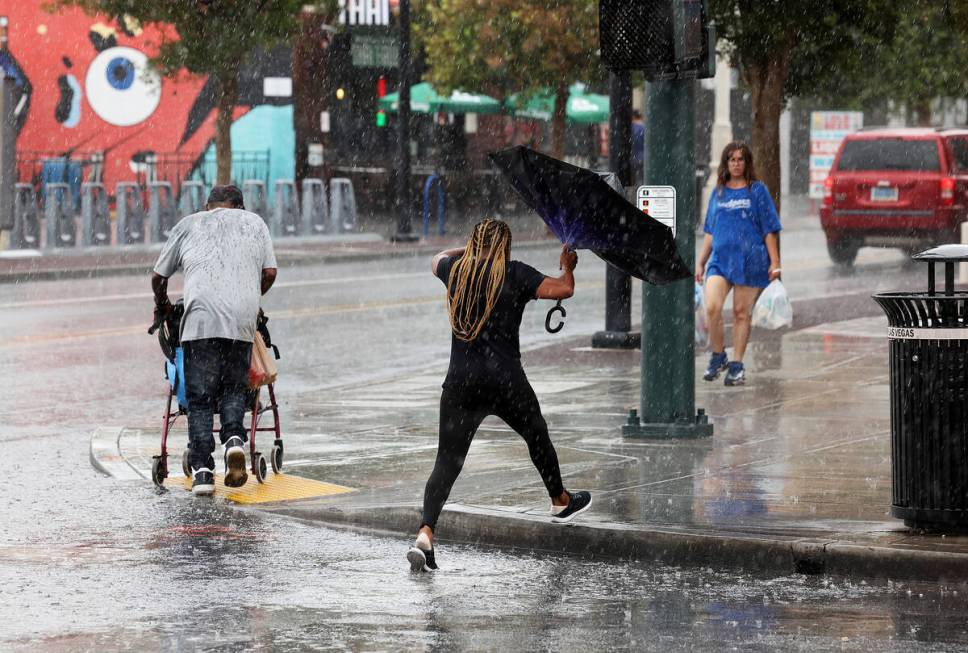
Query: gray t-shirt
222,254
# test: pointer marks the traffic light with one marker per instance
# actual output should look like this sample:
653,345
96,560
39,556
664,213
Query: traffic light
381,90
666,39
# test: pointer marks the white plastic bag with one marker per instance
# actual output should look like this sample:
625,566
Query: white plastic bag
702,329
773,309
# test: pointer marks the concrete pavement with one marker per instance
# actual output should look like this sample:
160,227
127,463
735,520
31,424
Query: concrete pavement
795,477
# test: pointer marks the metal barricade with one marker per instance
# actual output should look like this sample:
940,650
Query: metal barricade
162,212
438,181
131,213
26,218
342,207
59,213
285,214
95,215
191,198
315,208
254,196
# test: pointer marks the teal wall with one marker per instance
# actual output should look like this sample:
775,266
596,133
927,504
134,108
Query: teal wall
266,128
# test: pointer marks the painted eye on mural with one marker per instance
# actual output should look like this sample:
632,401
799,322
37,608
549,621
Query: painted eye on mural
120,88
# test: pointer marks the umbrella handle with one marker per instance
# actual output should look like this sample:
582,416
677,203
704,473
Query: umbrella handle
556,308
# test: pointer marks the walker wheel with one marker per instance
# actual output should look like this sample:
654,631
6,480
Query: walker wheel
158,473
186,468
261,468
276,457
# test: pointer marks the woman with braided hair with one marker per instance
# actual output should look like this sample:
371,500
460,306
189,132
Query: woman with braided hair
486,296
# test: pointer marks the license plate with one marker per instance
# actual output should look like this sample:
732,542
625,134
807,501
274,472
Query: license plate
884,194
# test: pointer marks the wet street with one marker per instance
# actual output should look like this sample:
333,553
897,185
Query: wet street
91,563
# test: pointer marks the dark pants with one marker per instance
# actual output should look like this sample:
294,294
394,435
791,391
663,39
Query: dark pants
462,409
216,377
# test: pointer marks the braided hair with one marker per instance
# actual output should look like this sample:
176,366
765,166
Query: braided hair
481,267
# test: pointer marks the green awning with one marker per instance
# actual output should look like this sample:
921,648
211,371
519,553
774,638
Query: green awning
582,107
424,99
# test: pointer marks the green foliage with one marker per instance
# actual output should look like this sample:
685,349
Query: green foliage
508,45
825,43
206,37
925,60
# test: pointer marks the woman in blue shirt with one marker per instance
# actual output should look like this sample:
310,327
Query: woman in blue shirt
741,235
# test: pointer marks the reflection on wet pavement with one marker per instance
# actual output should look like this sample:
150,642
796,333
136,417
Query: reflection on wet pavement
200,575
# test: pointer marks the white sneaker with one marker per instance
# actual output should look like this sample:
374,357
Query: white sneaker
235,475
203,482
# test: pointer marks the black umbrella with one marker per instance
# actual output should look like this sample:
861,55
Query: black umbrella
586,213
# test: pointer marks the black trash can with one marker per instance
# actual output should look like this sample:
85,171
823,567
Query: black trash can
928,334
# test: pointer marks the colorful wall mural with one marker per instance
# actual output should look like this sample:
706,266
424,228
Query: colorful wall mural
84,90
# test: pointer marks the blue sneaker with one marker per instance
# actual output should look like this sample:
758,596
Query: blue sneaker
735,375
717,363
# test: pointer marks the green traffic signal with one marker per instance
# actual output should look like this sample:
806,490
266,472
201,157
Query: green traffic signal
381,118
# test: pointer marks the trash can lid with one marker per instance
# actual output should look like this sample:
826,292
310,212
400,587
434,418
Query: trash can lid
943,253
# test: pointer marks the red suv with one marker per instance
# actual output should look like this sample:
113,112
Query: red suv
905,187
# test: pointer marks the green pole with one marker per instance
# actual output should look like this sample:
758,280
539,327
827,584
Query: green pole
668,401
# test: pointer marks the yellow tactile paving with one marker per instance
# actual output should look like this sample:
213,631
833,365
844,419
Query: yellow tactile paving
278,487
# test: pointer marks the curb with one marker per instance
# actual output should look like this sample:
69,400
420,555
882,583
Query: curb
286,259
776,554
106,457
773,553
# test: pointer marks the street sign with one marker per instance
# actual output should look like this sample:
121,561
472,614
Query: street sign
658,202
374,50
827,130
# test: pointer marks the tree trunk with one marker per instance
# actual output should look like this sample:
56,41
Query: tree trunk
922,112
558,122
228,93
310,89
766,82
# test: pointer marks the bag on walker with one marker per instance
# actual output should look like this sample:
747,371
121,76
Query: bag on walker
262,368
773,309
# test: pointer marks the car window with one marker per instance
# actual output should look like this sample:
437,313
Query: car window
959,148
890,154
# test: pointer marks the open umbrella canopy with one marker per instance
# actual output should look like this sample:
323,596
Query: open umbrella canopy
424,99
582,107
584,212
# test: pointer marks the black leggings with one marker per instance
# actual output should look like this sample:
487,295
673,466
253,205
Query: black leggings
462,409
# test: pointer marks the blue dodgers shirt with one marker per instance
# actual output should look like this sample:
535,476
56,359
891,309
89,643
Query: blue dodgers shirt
739,219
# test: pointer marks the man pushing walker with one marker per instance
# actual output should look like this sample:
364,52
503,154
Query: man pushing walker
225,253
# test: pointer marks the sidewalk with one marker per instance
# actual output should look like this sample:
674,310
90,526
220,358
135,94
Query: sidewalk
795,478
17,266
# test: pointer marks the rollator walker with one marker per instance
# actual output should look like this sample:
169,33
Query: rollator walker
168,338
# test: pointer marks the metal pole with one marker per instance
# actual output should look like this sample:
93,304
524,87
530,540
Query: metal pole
668,359
618,285
403,200
8,156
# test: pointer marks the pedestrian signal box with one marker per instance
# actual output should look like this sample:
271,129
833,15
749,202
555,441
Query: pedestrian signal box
665,39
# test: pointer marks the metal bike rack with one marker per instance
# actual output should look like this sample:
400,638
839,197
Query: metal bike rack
26,218
315,208
438,181
285,214
342,208
131,213
95,215
59,212
191,198
162,211
254,196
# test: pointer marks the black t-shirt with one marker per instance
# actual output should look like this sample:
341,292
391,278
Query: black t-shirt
495,354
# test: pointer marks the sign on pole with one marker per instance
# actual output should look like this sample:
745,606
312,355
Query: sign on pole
827,130
658,202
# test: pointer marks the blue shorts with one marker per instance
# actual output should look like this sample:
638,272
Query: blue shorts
754,281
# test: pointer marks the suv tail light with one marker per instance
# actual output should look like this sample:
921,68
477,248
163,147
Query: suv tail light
947,191
828,191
